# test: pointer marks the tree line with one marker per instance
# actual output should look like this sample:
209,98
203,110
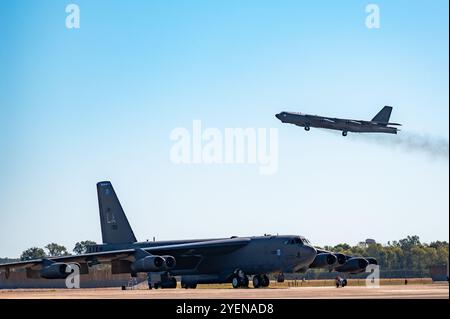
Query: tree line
53,249
403,255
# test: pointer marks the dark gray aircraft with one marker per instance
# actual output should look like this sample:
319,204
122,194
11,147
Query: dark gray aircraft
197,261
379,124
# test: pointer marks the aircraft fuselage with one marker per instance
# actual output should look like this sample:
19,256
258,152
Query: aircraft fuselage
263,254
344,125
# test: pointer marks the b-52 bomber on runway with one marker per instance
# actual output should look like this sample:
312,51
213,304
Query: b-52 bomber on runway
379,124
226,260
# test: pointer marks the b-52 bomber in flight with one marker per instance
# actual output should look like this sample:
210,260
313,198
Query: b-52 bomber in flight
233,260
379,124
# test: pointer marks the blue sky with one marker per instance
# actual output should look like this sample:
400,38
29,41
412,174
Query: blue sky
99,103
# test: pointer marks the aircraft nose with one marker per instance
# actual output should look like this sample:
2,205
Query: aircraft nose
311,252
278,116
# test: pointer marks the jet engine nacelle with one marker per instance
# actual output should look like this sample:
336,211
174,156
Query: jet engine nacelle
355,264
148,264
341,258
56,271
169,262
323,260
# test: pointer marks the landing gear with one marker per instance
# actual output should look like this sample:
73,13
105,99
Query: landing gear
257,281
166,281
189,286
239,280
170,283
266,281
340,282
167,284
344,133
306,128
235,282
280,278
260,281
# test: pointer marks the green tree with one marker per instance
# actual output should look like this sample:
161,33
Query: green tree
81,247
417,256
437,244
341,247
442,255
409,242
56,250
32,253
407,254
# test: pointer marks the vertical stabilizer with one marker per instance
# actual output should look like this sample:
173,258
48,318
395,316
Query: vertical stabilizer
383,116
114,223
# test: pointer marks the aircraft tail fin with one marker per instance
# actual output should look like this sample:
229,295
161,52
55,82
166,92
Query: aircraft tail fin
383,116
115,226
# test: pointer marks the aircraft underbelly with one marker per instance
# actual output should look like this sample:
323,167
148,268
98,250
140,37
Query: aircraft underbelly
372,129
357,128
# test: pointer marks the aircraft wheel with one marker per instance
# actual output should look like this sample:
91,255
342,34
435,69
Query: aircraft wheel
188,286
257,281
344,133
280,278
265,281
235,282
306,128
173,283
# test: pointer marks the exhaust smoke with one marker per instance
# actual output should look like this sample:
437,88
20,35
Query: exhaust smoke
435,147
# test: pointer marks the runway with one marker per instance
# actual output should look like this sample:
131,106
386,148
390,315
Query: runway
432,291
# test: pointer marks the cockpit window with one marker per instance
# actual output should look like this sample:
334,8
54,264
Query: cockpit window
294,241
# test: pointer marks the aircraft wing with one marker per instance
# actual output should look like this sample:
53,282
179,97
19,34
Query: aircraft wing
384,124
220,246
343,121
350,121
83,258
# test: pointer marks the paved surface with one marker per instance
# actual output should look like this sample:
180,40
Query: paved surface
394,291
